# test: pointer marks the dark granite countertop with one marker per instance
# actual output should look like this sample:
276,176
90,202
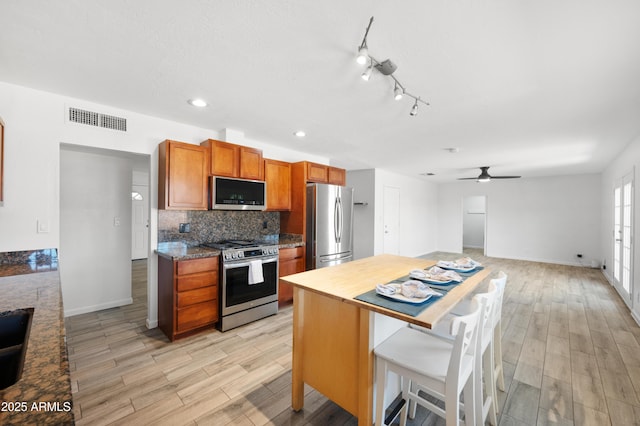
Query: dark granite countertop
45,385
177,250
290,241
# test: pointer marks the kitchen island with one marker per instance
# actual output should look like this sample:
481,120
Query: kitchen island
43,394
334,334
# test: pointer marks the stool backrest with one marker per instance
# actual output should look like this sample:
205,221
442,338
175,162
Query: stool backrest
465,329
500,282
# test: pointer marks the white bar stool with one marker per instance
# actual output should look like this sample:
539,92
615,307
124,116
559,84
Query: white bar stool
443,368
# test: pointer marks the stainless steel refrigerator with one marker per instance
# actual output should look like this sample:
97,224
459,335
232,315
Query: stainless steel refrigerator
329,225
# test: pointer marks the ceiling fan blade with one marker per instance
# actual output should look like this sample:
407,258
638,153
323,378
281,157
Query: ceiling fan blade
473,178
505,177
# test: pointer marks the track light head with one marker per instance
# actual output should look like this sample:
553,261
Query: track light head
398,92
363,55
414,109
366,75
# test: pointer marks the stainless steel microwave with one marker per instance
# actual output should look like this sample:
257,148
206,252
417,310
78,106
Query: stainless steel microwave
237,194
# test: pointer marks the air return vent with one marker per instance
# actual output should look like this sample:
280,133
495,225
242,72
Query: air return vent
91,118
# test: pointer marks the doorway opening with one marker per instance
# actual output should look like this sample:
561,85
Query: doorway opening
474,222
96,230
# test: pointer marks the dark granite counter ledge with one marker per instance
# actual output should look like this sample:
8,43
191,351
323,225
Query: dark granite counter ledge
181,251
45,385
290,241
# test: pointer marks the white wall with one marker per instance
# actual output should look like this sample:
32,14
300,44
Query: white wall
418,212
95,230
627,161
363,184
35,126
538,219
473,217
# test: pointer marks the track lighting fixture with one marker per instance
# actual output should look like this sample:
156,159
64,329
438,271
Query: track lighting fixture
397,92
366,75
414,109
385,67
363,55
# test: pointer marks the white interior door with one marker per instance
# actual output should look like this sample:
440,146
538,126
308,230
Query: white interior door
622,237
139,222
391,220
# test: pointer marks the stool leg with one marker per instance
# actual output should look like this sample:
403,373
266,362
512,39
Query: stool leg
381,378
490,401
469,404
497,353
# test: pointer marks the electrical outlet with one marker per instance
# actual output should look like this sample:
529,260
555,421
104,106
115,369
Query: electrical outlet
184,228
116,221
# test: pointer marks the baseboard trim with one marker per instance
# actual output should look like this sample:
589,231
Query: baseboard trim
99,307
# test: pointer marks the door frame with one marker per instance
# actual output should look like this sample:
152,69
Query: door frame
618,276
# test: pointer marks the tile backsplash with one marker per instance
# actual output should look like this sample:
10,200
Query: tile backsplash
216,225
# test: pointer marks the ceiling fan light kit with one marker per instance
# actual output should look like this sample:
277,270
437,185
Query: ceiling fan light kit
386,67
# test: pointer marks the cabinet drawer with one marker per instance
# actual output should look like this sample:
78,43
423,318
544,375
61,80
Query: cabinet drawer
191,297
191,282
198,315
197,265
291,253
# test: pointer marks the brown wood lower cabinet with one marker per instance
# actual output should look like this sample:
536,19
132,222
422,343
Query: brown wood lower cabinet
187,295
291,261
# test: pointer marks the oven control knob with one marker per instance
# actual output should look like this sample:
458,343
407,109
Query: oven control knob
234,255
240,254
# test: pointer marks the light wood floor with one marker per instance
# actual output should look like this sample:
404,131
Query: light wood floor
571,352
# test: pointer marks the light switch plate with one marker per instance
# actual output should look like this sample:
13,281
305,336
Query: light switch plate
43,226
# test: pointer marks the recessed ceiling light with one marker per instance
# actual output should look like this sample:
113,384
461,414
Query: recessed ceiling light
300,134
197,103
427,174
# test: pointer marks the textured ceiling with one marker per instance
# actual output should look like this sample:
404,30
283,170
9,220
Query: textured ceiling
533,88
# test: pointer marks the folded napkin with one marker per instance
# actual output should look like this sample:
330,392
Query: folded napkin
435,273
462,263
417,289
387,289
412,288
467,262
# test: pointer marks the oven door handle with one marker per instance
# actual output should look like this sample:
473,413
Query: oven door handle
244,264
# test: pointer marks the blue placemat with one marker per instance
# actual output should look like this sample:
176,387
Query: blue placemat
412,309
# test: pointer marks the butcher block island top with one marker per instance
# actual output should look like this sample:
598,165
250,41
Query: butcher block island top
334,334
348,280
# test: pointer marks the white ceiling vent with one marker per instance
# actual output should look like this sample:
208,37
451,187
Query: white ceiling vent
90,118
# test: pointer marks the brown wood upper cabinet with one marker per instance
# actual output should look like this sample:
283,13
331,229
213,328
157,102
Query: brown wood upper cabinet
183,169
236,161
337,176
277,175
321,173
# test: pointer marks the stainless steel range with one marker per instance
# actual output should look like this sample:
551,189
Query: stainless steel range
249,281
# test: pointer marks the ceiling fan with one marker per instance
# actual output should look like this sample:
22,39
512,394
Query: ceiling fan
486,177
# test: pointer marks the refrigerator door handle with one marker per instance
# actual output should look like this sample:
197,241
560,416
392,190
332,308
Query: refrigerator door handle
336,227
340,219
333,258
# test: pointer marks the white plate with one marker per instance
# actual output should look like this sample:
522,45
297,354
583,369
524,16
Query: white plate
457,269
401,298
437,282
